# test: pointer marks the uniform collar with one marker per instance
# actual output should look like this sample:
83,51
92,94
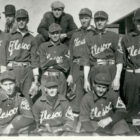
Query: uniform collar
50,44
88,29
135,33
96,98
18,31
100,32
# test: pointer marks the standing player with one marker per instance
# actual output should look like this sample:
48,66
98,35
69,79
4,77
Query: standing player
52,112
78,53
15,112
58,16
22,56
102,110
105,55
131,46
10,24
53,57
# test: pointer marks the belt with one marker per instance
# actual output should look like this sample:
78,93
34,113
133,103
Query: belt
135,70
21,64
50,73
105,62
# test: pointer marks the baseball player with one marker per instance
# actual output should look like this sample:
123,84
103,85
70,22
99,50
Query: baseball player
78,55
15,112
52,112
102,110
131,48
23,58
10,24
105,55
58,16
53,57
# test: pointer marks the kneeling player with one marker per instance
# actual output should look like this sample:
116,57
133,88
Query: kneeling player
52,112
15,112
102,110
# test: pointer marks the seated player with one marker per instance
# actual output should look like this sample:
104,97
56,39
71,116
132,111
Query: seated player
52,112
15,112
102,110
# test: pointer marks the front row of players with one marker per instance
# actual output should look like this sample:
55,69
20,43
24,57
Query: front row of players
102,110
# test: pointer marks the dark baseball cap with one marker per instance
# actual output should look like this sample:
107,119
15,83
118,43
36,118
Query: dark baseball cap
101,14
22,13
57,5
85,11
7,75
137,14
54,27
9,10
102,78
49,81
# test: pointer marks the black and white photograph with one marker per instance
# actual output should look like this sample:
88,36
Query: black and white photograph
69,68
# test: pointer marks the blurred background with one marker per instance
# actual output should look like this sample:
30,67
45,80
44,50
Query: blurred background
36,8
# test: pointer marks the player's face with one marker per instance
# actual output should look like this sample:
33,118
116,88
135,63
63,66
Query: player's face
9,19
85,20
100,89
100,23
55,36
57,12
22,22
52,91
8,86
137,24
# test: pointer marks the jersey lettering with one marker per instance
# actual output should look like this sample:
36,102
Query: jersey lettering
78,42
132,51
69,114
98,49
120,104
15,45
25,105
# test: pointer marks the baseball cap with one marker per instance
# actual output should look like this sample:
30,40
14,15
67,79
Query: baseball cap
137,14
101,14
49,81
22,13
102,78
8,75
9,10
85,11
54,27
57,5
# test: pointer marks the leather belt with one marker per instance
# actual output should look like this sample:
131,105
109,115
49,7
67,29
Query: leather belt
21,64
50,73
105,62
135,70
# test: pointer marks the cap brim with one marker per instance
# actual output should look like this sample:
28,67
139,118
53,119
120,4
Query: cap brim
100,17
51,84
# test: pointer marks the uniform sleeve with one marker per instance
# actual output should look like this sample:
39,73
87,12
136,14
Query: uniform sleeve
45,62
34,54
72,27
68,117
25,109
43,27
119,108
118,50
84,109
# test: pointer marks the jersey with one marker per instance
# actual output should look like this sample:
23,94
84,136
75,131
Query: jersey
49,53
58,115
104,46
96,108
131,49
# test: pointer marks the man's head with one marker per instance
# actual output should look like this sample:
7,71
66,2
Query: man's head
100,83
57,8
54,32
85,16
10,12
8,82
136,19
50,85
100,19
22,18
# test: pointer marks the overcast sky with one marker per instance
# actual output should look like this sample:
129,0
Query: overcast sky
36,8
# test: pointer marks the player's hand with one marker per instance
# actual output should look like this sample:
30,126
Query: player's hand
87,86
7,130
62,36
104,122
116,84
70,80
59,60
34,89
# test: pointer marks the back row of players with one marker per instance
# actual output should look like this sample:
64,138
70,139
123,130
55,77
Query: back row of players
69,61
